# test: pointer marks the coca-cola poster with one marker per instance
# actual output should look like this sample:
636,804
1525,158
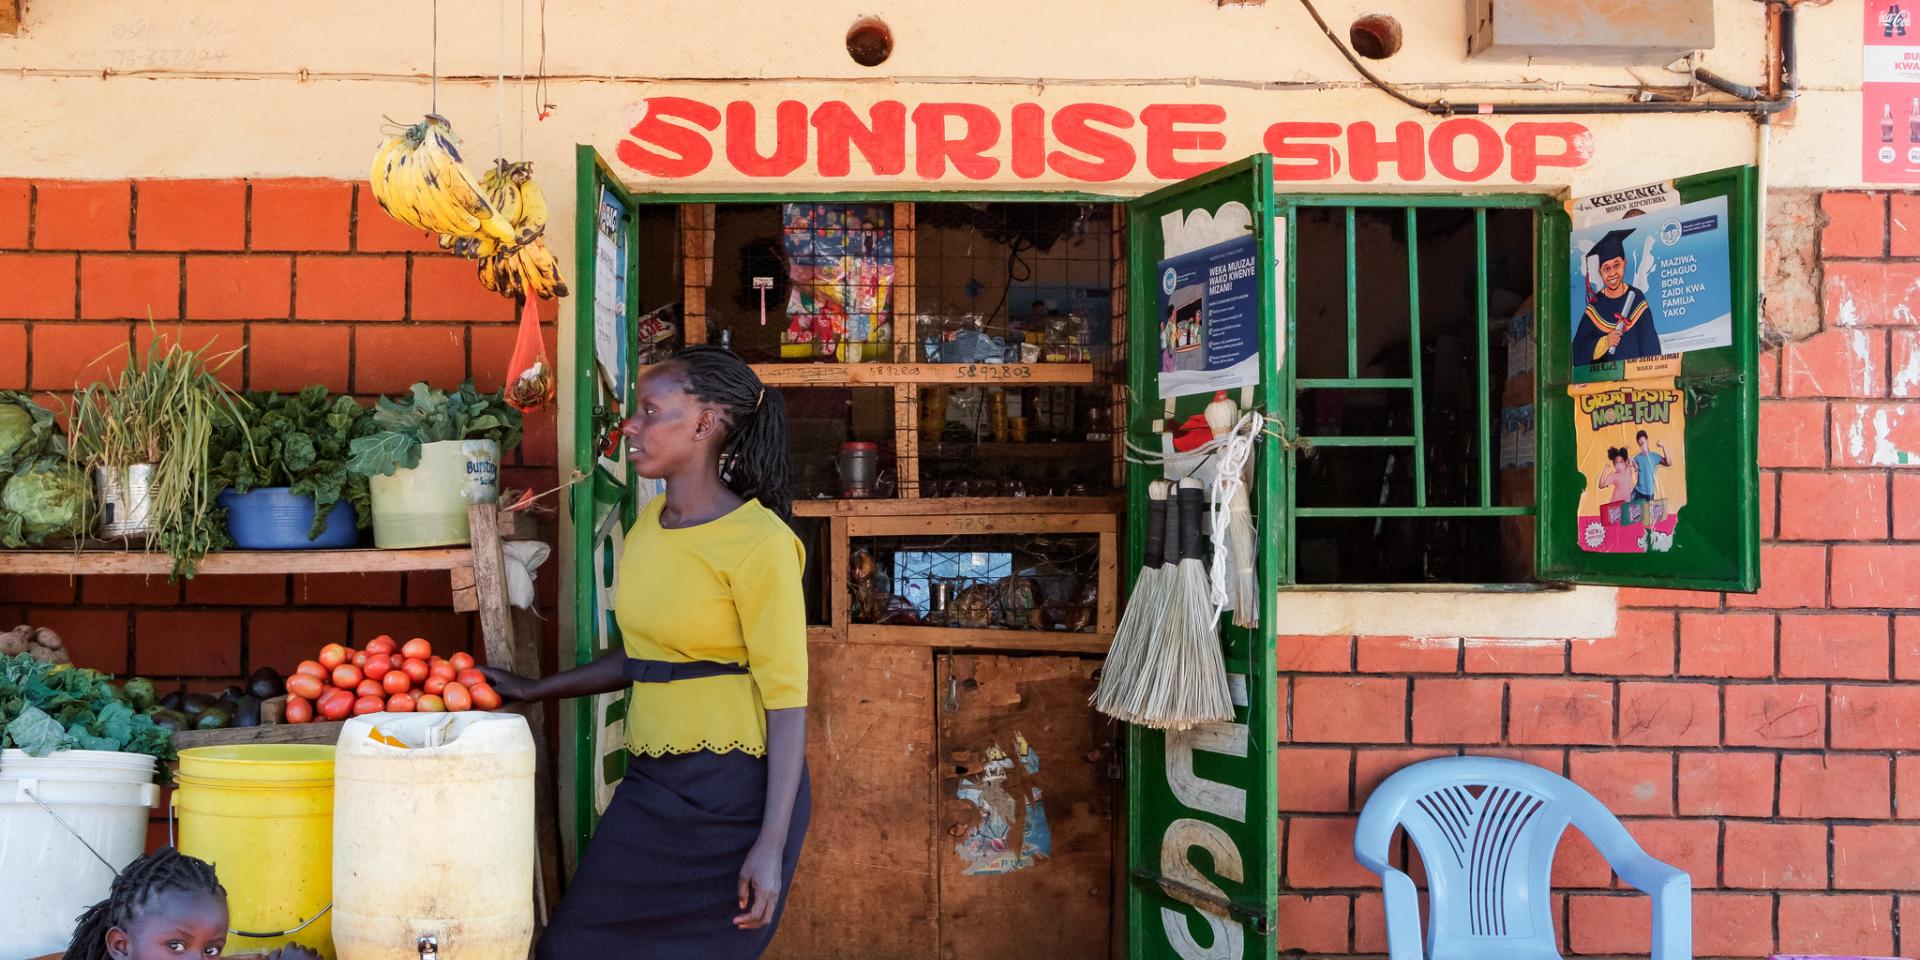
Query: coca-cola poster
1890,92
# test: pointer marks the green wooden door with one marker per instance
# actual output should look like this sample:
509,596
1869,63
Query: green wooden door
1202,828
1708,483
604,355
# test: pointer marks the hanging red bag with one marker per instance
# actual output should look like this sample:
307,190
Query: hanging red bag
530,379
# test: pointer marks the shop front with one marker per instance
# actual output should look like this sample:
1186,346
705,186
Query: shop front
1530,470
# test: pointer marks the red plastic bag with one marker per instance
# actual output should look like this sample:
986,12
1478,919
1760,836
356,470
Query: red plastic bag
530,377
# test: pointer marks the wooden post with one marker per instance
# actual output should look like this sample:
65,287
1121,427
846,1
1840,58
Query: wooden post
696,253
490,583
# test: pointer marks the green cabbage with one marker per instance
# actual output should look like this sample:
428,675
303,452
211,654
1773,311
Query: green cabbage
45,498
26,431
16,429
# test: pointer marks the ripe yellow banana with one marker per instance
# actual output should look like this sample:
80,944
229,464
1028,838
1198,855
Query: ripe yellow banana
459,196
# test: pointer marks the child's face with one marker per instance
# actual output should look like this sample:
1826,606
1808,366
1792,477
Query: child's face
173,926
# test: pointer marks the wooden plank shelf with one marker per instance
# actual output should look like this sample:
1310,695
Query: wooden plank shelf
1100,450
959,638
889,374
954,506
84,562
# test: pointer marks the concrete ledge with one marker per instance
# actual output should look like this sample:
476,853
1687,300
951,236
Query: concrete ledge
1578,613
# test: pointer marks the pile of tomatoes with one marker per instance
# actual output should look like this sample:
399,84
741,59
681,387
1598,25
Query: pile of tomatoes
385,676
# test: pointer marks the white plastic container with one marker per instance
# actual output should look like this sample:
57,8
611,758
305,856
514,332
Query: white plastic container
426,506
51,879
433,839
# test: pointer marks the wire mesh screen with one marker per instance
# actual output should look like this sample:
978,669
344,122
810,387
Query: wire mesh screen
821,421
1043,441
982,582
1015,282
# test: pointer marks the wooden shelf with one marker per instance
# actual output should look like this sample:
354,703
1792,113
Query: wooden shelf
83,562
955,506
802,374
957,638
1101,450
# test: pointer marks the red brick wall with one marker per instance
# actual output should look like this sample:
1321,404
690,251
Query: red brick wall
1769,745
320,286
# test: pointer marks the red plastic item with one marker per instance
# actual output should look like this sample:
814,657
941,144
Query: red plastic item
530,378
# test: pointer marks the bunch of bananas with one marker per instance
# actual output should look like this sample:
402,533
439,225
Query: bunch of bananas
527,267
418,179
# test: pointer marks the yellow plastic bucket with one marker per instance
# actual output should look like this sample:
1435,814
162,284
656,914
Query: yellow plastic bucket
262,814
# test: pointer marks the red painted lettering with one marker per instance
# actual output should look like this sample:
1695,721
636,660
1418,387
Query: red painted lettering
1523,145
933,147
882,140
682,152
1164,138
789,139
1407,151
1488,150
1303,161
1029,140
1112,155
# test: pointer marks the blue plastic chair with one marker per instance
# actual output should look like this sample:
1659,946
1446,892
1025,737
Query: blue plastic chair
1487,830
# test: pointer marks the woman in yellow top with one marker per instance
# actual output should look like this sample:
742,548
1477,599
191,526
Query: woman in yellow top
696,850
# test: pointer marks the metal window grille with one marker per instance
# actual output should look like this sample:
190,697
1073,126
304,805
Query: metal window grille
1434,450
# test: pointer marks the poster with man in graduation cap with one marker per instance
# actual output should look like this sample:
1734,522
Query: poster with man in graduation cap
1648,287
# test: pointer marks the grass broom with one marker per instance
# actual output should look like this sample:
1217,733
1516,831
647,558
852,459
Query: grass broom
1145,608
1187,671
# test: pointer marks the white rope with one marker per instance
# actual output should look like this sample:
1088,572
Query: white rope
1228,479
500,83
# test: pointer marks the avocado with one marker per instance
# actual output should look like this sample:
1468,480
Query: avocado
198,702
247,714
212,718
266,683
173,721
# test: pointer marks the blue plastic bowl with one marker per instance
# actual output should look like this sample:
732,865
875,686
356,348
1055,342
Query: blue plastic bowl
271,518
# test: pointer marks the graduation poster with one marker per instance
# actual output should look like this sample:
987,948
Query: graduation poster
1648,287
1209,319
1631,445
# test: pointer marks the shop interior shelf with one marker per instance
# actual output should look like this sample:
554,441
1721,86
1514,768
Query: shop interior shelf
101,561
881,374
947,506
1050,641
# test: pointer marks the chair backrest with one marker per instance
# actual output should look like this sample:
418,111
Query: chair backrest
1486,830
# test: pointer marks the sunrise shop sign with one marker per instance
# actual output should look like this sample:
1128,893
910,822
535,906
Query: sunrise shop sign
678,138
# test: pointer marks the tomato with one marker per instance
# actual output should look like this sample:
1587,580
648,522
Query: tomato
397,683
400,703
336,704
469,677
366,705
381,644
333,655
485,697
436,685
461,661
360,658
417,648
415,669
378,666
302,686
299,709
347,676
369,688
457,698
314,668
444,669
428,703
438,661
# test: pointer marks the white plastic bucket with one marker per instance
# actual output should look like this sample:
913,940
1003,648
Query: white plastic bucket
434,839
51,878
427,505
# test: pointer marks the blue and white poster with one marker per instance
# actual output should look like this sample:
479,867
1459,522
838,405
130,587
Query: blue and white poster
1649,287
1210,319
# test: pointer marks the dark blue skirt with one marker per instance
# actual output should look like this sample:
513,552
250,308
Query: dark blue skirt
661,877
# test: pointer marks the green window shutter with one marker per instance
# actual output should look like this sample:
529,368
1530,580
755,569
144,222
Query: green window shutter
1226,855
1714,540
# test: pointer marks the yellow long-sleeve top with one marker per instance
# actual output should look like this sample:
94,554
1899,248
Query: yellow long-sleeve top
725,590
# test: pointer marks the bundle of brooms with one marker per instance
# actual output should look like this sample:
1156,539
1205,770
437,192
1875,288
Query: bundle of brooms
1165,669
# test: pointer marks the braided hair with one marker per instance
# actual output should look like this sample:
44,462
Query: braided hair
753,463
164,871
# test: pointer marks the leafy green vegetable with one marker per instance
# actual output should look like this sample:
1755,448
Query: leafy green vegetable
300,441
48,497
426,416
47,707
27,431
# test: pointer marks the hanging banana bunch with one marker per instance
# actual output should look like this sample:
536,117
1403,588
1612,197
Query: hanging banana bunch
418,179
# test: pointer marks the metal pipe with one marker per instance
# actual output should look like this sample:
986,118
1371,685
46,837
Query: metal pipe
1724,85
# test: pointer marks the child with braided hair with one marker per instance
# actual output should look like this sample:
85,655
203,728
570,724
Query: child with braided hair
163,906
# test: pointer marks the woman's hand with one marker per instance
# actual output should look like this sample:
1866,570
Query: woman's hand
510,686
760,879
